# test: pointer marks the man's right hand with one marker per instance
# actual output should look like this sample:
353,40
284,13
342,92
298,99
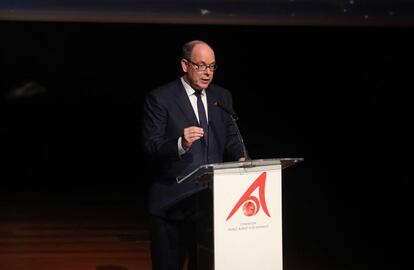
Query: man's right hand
191,134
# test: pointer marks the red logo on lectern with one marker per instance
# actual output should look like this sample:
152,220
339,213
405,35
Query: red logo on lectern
251,204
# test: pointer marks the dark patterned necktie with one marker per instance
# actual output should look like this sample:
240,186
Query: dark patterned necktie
202,117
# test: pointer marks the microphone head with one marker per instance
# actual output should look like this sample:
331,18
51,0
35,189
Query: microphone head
226,109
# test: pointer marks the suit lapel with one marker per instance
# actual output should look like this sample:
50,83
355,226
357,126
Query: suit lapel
212,108
185,105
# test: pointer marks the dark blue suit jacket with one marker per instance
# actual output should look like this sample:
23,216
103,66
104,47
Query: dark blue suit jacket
167,111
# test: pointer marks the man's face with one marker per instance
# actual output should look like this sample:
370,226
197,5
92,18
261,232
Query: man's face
202,55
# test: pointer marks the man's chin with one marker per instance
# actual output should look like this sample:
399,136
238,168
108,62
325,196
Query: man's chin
204,85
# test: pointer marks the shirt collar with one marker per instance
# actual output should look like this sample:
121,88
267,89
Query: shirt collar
190,91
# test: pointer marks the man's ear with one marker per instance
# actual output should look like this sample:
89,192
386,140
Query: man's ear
184,65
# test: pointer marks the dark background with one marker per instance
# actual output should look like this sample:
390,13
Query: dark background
336,96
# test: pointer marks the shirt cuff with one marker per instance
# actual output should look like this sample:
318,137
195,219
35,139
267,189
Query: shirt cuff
181,150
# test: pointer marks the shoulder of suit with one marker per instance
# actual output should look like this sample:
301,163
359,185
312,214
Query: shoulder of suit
218,90
167,89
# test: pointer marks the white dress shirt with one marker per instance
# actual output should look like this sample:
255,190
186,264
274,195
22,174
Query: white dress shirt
193,99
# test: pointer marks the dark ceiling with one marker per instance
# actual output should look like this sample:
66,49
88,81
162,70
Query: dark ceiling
244,12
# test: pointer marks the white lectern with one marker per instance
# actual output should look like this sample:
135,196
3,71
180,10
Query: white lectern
244,229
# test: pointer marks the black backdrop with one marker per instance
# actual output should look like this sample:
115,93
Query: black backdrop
336,96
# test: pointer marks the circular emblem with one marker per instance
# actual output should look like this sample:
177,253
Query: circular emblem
249,208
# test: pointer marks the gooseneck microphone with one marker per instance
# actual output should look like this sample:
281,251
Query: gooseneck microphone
227,110
234,118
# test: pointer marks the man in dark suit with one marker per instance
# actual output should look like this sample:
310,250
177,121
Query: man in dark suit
184,128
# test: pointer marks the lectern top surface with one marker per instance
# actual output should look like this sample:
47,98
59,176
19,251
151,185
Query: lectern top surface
208,168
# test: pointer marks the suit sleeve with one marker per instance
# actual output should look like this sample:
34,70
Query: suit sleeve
155,140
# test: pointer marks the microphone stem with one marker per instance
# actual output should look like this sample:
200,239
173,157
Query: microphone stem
246,155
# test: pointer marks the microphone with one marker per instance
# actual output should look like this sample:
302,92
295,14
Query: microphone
227,110
234,118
